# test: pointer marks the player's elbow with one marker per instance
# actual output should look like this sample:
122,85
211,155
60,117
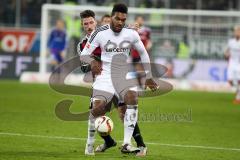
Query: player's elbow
226,55
85,58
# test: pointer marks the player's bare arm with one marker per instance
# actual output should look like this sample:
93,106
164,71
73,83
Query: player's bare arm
146,60
227,54
96,67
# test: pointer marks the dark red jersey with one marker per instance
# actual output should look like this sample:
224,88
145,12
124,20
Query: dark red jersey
145,35
96,53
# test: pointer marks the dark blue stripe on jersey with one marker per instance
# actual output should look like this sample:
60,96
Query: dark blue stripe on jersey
97,31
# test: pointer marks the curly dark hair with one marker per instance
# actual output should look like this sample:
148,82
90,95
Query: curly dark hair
119,7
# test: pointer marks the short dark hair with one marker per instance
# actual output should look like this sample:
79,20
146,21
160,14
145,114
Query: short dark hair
87,13
106,16
119,7
138,16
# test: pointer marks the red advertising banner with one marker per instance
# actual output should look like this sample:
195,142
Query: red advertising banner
17,40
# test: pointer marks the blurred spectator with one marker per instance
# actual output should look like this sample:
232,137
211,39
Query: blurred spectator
7,11
106,19
73,27
97,2
170,68
166,48
145,35
144,32
183,48
30,11
148,3
57,43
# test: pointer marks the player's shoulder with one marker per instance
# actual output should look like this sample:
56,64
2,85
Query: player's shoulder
102,28
98,31
130,30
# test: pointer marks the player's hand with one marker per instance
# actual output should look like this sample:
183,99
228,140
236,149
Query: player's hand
85,67
227,54
96,67
150,83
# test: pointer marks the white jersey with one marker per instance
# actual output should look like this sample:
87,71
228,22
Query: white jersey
111,44
234,50
233,72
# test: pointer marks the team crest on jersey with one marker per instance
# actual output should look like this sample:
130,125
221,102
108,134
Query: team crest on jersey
123,46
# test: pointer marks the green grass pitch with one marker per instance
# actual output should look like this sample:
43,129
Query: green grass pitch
29,128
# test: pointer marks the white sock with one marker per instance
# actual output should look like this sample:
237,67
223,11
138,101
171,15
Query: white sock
130,120
91,130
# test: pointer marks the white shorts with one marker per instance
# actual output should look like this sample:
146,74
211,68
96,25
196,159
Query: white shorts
103,89
233,73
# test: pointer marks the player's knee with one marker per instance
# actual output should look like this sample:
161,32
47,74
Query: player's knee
98,108
130,98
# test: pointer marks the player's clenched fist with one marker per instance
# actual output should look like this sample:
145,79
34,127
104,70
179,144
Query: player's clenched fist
151,84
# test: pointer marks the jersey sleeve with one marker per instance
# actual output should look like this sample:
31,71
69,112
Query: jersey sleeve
138,45
149,33
228,45
79,48
91,45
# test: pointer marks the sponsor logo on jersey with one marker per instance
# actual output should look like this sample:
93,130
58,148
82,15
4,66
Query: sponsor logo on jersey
117,49
123,46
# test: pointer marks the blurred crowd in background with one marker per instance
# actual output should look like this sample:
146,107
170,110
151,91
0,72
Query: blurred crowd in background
27,13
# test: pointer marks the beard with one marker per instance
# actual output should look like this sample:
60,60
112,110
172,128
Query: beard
117,28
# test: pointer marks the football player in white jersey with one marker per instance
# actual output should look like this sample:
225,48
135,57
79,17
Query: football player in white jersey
89,24
232,53
115,42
